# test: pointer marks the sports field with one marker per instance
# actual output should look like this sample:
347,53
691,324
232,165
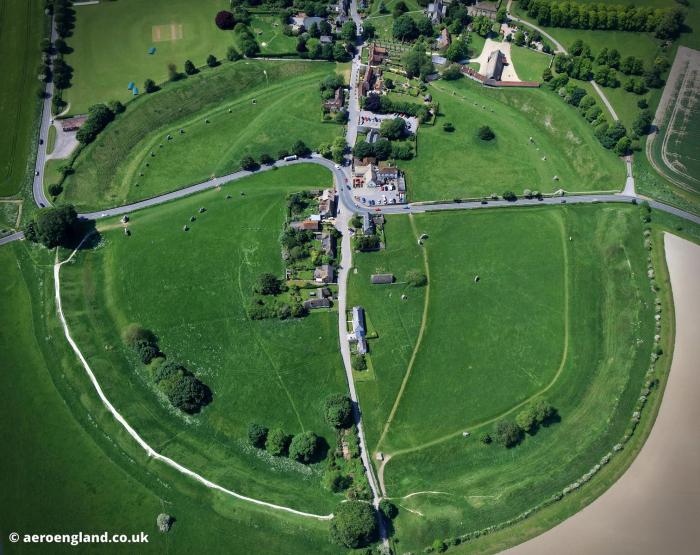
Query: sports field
22,25
111,42
238,109
562,310
66,447
563,145
193,289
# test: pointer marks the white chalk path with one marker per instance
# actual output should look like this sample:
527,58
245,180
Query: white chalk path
133,433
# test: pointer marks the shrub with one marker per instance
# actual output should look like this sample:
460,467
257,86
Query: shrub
485,133
448,126
99,117
304,447
510,196
508,434
183,389
526,419
189,67
359,363
277,442
257,435
225,20
388,509
268,284
55,189
267,159
232,54
337,410
300,149
416,278
486,438
354,524
212,61
248,163
149,85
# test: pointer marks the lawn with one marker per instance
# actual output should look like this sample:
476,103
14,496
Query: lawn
193,289
578,277
238,109
272,41
511,161
22,25
67,447
529,64
111,42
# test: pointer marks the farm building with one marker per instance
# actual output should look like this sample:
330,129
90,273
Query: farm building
381,279
306,225
367,225
487,9
494,65
72,124
358,329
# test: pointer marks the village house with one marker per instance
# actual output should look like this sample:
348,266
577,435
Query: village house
328,243
444,39
367,224
302,22
359,333
310,304
436,11
372,81
326,204
381,279
382,175
324,274
377,55
487,9
325,39
336,103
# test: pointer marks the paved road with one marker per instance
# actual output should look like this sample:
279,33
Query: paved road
38,184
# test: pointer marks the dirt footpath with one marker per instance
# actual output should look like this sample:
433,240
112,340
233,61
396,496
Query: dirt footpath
654,507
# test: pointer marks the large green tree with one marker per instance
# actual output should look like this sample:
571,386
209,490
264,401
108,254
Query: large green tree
354,524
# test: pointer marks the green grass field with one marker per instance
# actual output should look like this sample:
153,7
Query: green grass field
67,447
459,164
529,64
287,108
562,309
22,25
111,42
194,294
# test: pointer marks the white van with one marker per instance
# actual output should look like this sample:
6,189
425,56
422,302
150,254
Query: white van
290,158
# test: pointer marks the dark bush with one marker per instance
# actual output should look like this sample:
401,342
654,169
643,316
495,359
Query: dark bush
257,435
304,447
225,20
508,434
337,410
485,133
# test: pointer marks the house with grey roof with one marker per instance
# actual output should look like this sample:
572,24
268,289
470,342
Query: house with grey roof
359,331
381,279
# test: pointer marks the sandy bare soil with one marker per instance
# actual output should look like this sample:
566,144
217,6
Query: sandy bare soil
655,506
490,45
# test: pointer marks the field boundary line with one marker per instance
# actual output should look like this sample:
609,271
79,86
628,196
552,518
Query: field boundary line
133,433
562,364
419,340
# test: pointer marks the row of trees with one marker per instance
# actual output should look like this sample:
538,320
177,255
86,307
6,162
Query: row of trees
664,22
305,447
182,388
510,433
299,148
60,72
